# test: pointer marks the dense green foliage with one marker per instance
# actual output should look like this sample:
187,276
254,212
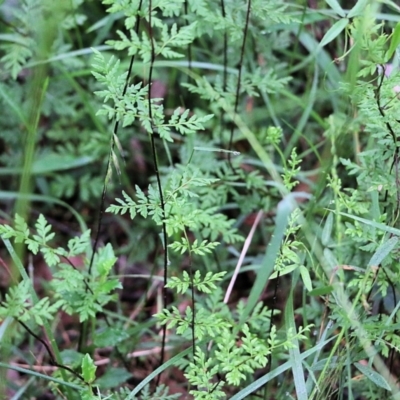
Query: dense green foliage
237,163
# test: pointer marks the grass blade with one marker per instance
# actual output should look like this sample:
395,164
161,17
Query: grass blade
276,372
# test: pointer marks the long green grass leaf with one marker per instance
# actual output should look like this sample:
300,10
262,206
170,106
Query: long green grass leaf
160,369
294,352
285,208
41,376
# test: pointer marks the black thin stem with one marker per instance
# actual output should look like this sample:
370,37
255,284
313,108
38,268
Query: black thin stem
394,163
225,47
15,28
245,29
189,49
225,75
193,322
115,132
274,301
158,178
50,354
83,329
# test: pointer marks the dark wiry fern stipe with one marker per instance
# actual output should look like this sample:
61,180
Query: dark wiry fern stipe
160,191
53,361
395,164
396,152
245,29
216,385
12,26
193,308
225,74
273,308
388,126
392,134
115,132
83,329
189,49
225,62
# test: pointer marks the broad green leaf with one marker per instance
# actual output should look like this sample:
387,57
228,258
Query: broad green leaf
330,258
323,60
336,7
105,259
110,337
394,42
327,231
305,276
322,291
113,377
358,8
334,31
71,357
88,369
287,270
373,376
383,251
391,4
52,162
